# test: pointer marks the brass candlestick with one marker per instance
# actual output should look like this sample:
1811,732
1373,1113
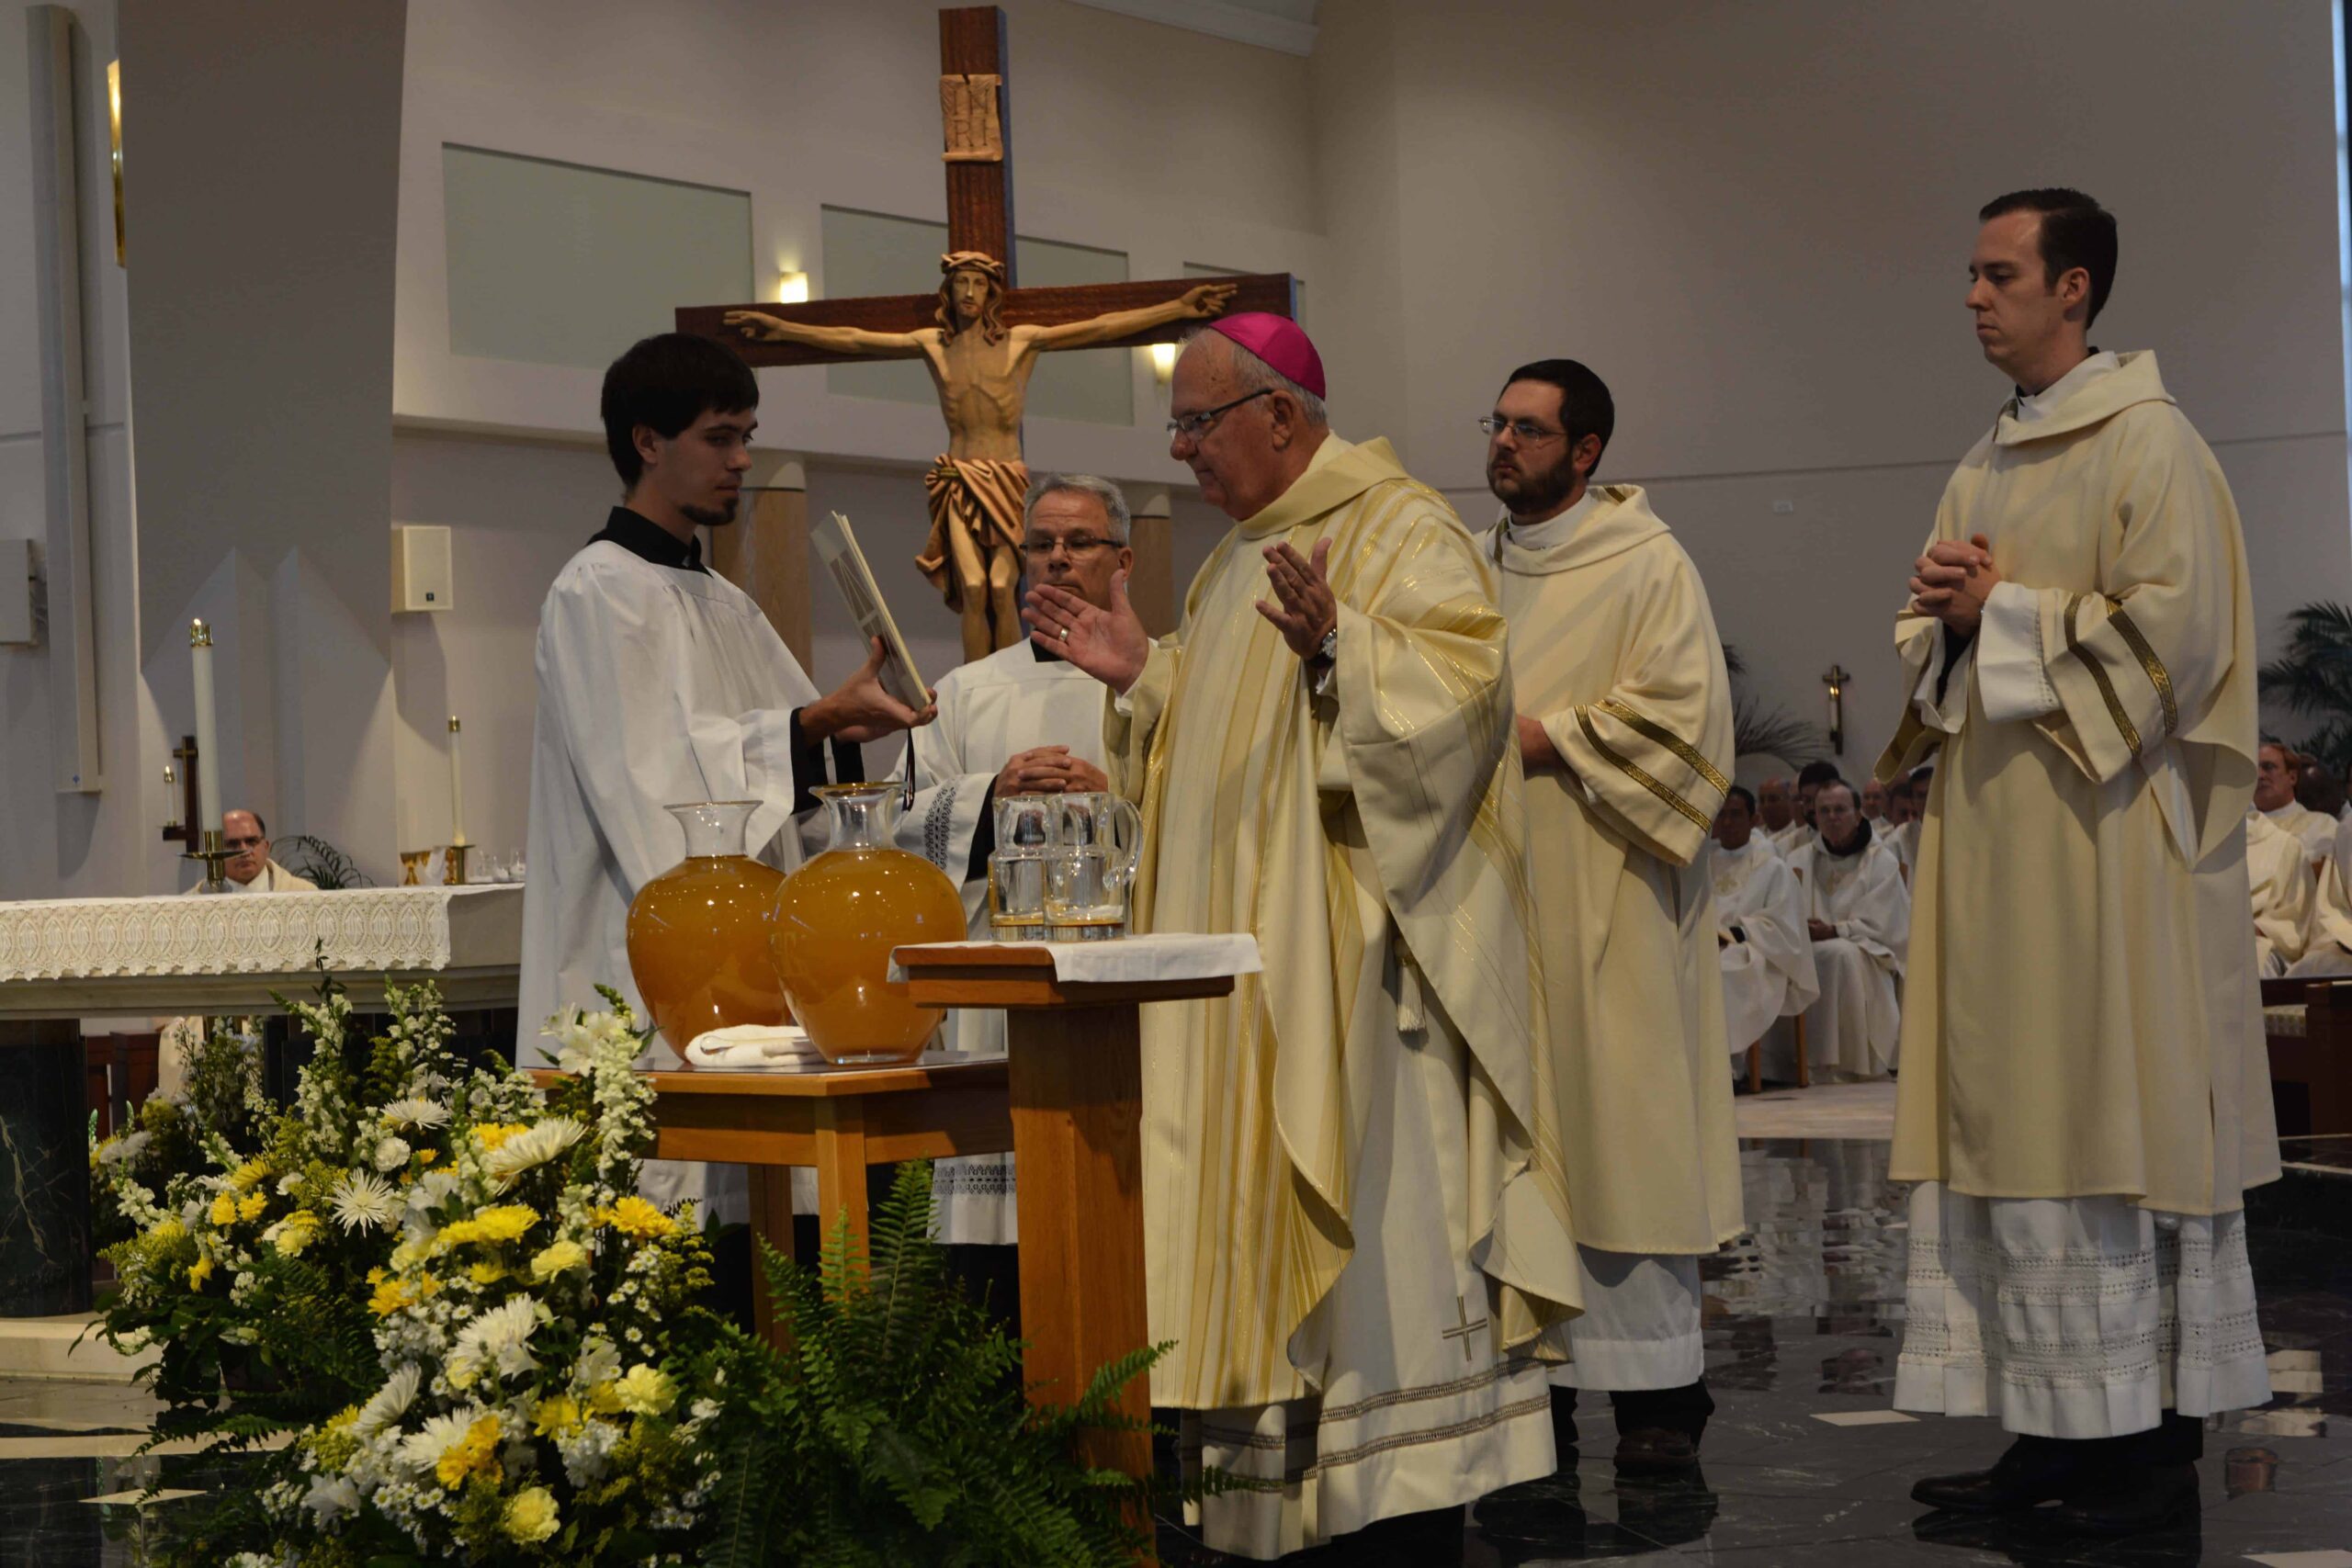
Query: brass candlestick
453,868
214,855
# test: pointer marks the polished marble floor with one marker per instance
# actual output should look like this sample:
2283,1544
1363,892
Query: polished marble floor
1803,1324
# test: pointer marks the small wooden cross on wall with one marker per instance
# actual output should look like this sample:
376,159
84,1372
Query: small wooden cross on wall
1834,678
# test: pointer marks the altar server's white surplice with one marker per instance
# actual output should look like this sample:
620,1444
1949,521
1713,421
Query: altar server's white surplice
1767,964
1855,1027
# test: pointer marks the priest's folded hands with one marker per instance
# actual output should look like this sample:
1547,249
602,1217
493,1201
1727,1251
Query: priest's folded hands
1952,580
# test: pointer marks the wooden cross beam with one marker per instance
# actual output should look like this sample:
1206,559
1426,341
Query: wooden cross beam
976,114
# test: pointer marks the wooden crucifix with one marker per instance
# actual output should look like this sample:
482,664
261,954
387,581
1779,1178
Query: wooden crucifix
979,337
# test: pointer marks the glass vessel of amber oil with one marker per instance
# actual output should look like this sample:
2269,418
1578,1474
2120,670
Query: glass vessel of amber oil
698,932
837,919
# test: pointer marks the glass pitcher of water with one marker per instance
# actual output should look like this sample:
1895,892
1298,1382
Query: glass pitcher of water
1017,867
1098,840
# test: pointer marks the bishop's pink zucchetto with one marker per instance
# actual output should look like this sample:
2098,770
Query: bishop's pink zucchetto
1278,341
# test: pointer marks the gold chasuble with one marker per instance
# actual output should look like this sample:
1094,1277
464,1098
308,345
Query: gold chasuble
2080,1015
1614,651
1354,1211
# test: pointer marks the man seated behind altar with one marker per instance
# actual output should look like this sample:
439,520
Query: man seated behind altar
661,684
1355,1208
1858,914
1022,721
249,869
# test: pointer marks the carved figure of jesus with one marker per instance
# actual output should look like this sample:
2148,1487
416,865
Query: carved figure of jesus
981,369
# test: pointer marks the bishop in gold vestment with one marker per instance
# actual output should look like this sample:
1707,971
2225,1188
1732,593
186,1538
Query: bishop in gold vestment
1355,1222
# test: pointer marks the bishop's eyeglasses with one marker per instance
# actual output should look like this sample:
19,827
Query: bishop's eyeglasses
1192,426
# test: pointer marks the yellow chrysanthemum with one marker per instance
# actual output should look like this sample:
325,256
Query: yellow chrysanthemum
197,1272
530,1515
251,1205
556,1257
502,1223
247,1176
490,1134
646,1390
223,1212
487,1273
476,1452
375,1276
604,1398
426,1156
297,1231
557,1414
167,1232
635,1217
390,1297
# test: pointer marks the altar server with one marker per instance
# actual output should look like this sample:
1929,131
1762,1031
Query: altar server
2086,1095
660,684
1022,721
2285,893
1355,1224
1624,732
1858,916
1765,950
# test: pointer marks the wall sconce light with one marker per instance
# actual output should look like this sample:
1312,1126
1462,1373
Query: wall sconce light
792,289
1163,362
114,148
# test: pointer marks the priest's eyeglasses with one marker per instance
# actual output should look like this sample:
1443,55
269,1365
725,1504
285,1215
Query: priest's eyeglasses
1192,426
1526,432
1082,547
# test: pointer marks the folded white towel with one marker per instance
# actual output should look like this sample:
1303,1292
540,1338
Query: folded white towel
754,1047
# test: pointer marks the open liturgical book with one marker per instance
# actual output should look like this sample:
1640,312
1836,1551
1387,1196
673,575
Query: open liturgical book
837,547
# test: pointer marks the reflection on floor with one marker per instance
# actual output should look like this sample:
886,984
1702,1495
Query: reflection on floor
1803,1324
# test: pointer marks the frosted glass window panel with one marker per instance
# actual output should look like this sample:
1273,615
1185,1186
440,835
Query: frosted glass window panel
872,253
558,263
1298,285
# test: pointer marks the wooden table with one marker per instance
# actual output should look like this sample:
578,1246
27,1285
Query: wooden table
1067,1100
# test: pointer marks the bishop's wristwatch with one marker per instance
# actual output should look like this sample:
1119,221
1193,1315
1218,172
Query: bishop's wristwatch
1324,662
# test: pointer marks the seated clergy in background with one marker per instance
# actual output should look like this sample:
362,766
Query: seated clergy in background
2285,893
662,684
2278,771
2328,939
1775,808
1906,838
1800,830
1874,808
1022,721
2317,788
250,868
1765,947
1859,915
1626,732
1355,1218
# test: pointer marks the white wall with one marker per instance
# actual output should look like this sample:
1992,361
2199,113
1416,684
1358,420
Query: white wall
1752,222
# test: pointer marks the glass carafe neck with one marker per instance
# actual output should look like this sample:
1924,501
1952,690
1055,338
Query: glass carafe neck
861,813
715,826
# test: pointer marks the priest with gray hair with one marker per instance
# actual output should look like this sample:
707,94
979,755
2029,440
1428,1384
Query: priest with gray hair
1021,721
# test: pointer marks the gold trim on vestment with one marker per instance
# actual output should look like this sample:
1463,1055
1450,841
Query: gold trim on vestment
1623,765
1658,734
2157,677
2098,674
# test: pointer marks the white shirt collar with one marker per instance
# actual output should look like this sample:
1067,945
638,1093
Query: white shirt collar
2044,402
1556,531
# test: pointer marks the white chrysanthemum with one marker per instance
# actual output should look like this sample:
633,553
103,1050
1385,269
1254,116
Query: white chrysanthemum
415,1111
331,1497
123,1150
525,1150
391,1154
421,1449
500,1340
364,1200
388,1404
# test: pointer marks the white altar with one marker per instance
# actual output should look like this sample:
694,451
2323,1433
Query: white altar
65,960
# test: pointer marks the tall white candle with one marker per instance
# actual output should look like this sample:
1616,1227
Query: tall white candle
456,789
208,739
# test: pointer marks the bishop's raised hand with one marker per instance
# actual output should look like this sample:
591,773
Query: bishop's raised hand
1109,644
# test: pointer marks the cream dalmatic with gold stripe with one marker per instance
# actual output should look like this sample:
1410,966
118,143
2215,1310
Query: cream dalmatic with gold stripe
2080,1013
1354,1211
1614,651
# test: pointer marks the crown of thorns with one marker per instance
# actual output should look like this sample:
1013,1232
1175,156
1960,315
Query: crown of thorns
977,261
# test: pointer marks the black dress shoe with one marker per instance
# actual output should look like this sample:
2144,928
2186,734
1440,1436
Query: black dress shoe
2130,1502
1656,1450
2034,1471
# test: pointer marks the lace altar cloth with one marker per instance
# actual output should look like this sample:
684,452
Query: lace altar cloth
361,930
